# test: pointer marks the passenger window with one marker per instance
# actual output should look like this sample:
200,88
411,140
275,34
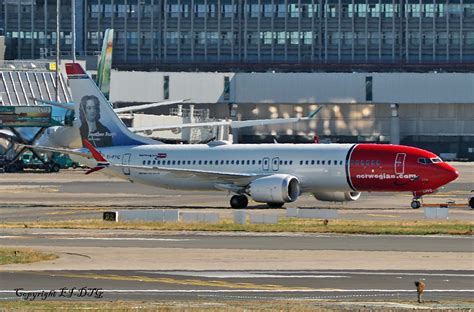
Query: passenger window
144,162
291,162
322,162
226,162
237,162
361,162
174,162
301,162
357,162
317,162
329,162
373,162
194,162
200,162
205,162
231,162
378,162
248,162
158,162
169,162
253,162
259,162
179,162
149,162
222,162
335,162
312,162
286,162
154,162
307,162
216,162
340,162
210,162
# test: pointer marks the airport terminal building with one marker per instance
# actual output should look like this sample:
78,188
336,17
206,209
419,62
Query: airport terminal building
377,65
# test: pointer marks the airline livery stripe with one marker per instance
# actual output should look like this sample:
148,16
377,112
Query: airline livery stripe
348,171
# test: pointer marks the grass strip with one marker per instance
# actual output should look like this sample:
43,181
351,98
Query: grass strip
294,225
231,306
15,255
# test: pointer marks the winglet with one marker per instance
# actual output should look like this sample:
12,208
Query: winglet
101,161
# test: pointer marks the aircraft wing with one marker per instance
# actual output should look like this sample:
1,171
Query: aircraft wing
231,123
240,179
58,150
66,105
182,126
129,109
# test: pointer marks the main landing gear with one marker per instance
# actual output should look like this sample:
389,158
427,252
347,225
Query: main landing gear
239,201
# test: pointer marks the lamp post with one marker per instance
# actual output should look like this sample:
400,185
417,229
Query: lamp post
58,18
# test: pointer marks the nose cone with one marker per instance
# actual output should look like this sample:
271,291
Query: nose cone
449,173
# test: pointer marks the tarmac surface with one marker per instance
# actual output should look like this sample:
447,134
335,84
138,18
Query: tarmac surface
152,265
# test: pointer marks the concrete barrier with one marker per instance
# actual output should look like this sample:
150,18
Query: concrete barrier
240,217
170,215
436,213
292,212
263,218
317,213
207,217
140,215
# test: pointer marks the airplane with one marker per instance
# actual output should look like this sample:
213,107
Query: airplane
274,174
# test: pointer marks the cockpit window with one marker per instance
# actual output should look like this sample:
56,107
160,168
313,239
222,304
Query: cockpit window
424,160
436,160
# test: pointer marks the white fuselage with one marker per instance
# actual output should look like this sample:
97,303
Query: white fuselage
318,167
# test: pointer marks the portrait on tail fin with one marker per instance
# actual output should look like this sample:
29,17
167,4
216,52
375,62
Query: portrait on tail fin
91,128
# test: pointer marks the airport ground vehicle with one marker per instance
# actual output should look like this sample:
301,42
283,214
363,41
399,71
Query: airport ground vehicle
28,160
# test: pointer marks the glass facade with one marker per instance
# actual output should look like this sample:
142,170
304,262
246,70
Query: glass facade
250,31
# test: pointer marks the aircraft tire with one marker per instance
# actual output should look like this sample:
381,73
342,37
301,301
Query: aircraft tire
415,204
239,201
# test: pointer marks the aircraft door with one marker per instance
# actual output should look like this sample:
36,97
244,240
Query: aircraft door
400,163
126,161
276,164
266,164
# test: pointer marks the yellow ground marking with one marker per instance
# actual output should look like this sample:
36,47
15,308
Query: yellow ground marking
191,282
382,215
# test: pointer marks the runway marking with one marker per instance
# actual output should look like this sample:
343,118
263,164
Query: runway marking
244,275
166,280
387,273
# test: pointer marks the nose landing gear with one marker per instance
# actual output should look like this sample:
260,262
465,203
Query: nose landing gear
416,202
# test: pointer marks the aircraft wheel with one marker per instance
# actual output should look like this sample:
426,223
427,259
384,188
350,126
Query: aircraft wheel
239,201
415,204
55,168
275,205
471,202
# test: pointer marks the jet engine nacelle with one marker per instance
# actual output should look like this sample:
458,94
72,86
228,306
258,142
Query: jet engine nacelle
277,188
337,196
